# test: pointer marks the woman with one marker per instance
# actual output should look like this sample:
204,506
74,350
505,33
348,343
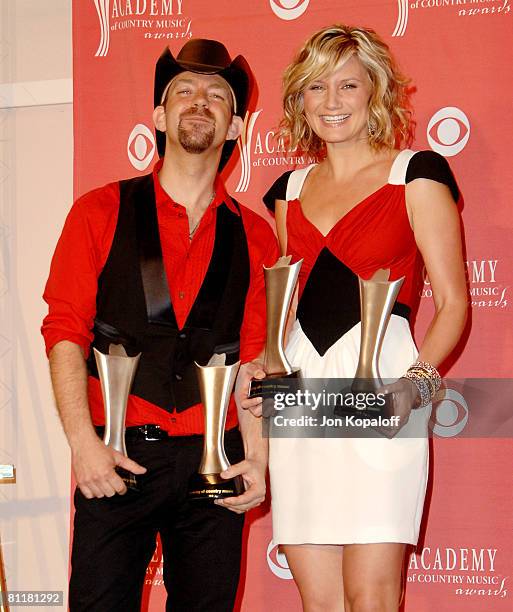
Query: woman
344,509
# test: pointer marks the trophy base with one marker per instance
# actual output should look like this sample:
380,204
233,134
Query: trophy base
128,478
272,384
207,487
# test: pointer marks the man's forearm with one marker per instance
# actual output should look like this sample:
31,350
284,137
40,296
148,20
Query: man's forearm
69,380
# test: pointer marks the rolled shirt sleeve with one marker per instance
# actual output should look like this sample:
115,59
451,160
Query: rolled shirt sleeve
79,257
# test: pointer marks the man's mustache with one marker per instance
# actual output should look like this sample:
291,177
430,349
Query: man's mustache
196,112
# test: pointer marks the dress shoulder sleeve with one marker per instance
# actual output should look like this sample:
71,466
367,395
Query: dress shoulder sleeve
433,166
278,190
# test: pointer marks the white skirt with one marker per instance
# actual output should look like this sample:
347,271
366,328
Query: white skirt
350,490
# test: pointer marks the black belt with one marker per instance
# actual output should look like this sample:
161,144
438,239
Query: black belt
150,433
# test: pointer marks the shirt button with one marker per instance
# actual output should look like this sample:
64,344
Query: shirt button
180,215
181,295
178,376
182,336
173,420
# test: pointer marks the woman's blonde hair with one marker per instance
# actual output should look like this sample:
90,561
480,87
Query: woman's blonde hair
325,51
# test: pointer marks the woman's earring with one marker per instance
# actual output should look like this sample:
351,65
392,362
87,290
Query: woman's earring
371,127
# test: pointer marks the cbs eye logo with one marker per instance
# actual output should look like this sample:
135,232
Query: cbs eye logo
278,562
141,146
289,9
450,414
448,131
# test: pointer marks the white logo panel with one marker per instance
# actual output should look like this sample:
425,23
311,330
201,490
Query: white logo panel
278,562
140,146
448,131
289,9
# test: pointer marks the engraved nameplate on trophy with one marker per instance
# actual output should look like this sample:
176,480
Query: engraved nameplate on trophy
377,299
280,283
117,372
216,381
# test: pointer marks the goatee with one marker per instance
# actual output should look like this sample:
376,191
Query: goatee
196,137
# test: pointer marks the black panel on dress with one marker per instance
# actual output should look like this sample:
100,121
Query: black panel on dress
330,303
433,166
278,190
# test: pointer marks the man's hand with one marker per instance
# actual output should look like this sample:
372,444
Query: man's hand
248,371
93,462
93,466
253,475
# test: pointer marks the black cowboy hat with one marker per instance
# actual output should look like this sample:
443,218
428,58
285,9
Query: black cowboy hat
204,56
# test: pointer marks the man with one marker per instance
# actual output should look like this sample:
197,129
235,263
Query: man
168,265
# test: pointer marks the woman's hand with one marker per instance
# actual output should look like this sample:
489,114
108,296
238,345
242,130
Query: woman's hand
248,372
402,396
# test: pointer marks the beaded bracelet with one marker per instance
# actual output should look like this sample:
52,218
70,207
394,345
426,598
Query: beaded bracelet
429,372
427,380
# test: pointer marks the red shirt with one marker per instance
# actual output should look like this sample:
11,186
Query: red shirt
82,251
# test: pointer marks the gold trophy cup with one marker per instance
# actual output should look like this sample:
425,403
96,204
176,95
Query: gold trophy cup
280,283
216,381
377,299
117,372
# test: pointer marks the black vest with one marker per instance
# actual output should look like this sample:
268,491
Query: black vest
133,305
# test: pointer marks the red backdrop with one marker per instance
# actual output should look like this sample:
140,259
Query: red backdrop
457,55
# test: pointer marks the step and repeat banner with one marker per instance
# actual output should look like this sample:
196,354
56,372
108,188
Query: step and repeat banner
457,53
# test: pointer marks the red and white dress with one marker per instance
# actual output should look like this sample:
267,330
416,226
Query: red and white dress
352,490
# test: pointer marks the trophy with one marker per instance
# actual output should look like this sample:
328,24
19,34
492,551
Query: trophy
280,283
7,476
117,372
216,382
377,298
